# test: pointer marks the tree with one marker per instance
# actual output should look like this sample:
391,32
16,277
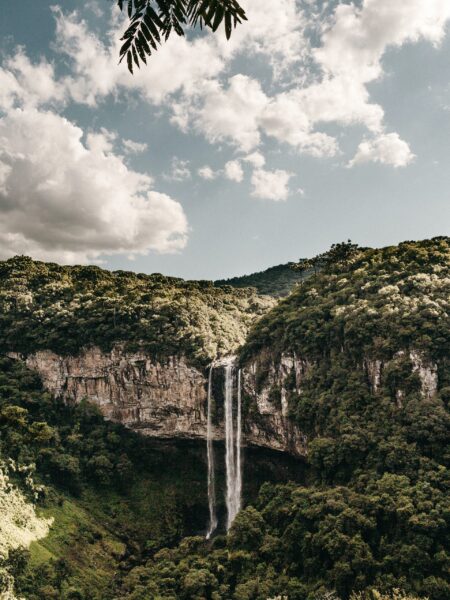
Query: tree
341,254
152,22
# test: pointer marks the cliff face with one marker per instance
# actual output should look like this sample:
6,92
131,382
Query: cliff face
266,384
169,400
164,400
426,370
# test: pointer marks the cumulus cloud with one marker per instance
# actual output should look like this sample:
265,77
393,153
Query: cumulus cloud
352,49
228,114
101,142
233,171
326,83
23,83
180,64
388,149
64,200
270,185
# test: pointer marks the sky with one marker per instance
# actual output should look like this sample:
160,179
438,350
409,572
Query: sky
318,122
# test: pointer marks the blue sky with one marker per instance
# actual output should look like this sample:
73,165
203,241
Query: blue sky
329,121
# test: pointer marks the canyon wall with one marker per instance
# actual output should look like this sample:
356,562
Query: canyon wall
160,399
169,399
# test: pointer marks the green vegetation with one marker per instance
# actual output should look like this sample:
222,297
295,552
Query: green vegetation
114,496
277,281
372,518
376,509
384,301
46,306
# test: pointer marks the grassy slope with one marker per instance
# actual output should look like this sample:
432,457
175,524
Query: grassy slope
104,529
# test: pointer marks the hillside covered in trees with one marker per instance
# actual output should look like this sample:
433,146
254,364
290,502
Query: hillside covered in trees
372,509
47,306
276,281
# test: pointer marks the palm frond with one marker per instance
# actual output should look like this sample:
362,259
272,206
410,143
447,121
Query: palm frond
153,21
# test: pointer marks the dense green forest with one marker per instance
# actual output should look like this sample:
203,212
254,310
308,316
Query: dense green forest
372,511
114,495
375,510
47,306
276,281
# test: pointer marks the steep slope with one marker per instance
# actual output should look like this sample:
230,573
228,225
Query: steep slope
356,359
276,281
104,499
135,345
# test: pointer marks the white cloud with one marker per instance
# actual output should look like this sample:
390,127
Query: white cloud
24,83
229,114
233,171
388,149
178,65
62,200
352,50
280,39
179,170
101,142
327,83
270,185
256,159
132,147
207,173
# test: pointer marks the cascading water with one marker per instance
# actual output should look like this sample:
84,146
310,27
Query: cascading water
233,445
238,445
233,456
229,445
211,469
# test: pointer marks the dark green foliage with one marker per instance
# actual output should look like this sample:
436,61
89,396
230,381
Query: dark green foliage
140,496
386,300
152,22
277,281
376,511
46,306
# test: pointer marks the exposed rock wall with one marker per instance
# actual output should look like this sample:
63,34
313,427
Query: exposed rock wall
425,369
164,400
271,417
169,400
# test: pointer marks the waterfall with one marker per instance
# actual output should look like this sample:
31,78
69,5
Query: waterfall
233,446
238,445
229,445
211,470
233,455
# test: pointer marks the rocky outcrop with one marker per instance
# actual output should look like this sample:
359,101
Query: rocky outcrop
373,369
268,383
421,364
169,399
164,400
427,371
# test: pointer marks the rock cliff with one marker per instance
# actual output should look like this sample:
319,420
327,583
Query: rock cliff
164,400
169,399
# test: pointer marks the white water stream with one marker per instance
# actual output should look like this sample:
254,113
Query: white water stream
211,466
233,454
